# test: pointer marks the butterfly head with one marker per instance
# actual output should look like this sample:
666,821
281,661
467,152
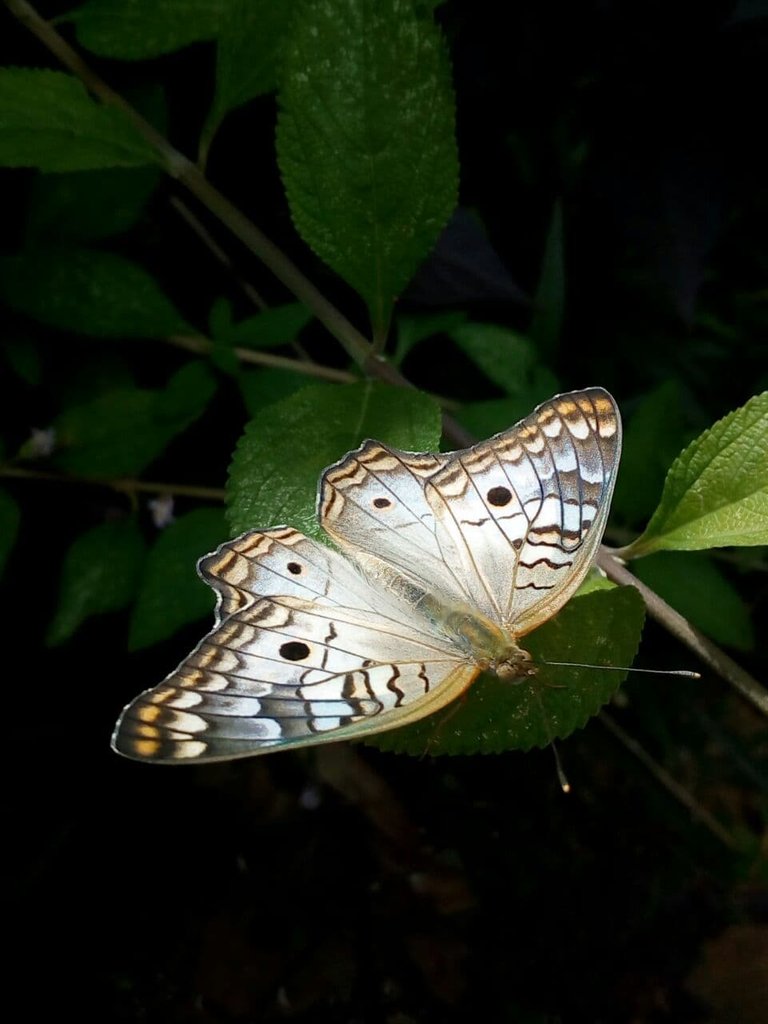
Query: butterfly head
515,666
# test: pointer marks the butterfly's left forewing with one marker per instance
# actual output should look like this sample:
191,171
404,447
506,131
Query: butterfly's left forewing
292,669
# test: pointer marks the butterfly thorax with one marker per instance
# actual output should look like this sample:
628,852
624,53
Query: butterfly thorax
486,643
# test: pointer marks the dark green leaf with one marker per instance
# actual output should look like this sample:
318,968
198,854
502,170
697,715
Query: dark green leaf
23,356
100,574
250,39
277,326
415,328
275,470
366,141
136,29
696,588
88,291
265,387
601,628
48,120
493,415
89,205
10,517
549,300
119,433
171,595
505,357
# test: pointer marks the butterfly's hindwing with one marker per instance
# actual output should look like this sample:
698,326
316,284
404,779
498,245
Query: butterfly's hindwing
289,671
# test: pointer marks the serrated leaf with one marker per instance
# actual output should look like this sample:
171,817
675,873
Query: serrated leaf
695,587
505,357
88,291
601,628
170,595
654,434
277,326
120,432
137,29
365,141
88,205
278,460
100,574
250,39
716,491
48,120
10,517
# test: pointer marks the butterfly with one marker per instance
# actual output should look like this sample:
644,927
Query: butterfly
443,562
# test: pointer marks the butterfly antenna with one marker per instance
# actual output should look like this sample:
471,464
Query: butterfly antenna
684,672
561,776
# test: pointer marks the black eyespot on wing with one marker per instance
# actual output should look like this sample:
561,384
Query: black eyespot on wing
294,650
381,502
294,567
499,496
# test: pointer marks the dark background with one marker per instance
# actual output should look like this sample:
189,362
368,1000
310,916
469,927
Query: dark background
351,885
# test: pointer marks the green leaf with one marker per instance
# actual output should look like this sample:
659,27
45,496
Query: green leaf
277,326
260,388
274,474
23,356
10,517
137,29
170,595
88,291
653,436
120,432
716,491
48,120
89,205
696,588
595,581
250,40
414,328
505,357
365,141
601,628
100,574
493,415
549,301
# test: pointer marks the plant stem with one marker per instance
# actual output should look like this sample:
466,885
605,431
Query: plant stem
124,485
202,346
681,628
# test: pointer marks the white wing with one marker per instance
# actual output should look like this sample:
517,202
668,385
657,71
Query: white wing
325,657
508,527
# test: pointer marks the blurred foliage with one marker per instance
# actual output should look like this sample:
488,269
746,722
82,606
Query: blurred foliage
610,230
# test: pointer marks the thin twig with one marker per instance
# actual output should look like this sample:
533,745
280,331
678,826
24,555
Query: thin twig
124,485
693,638
668,782
216,251
202,346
